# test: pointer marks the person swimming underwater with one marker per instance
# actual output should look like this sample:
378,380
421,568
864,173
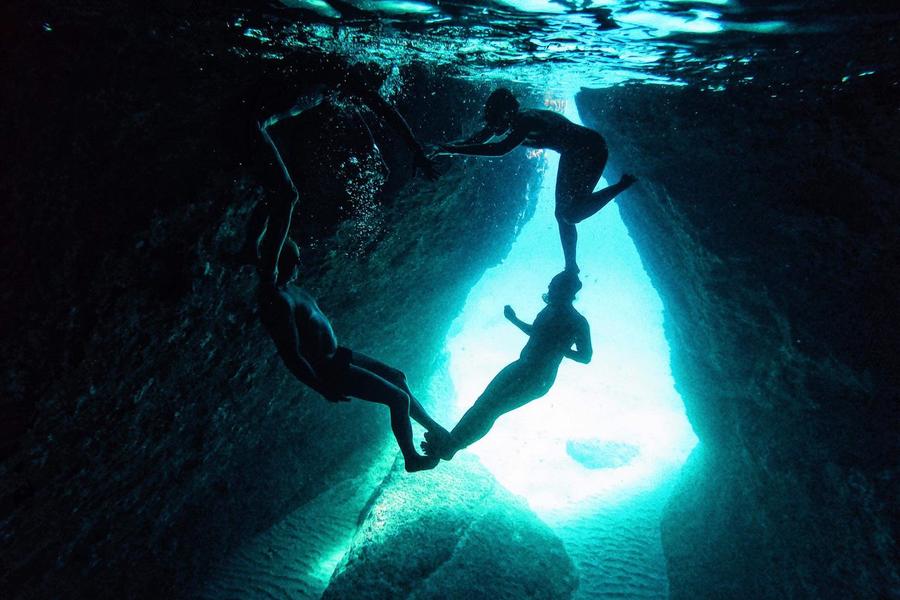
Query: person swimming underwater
582,159
303,145
550,338
309,349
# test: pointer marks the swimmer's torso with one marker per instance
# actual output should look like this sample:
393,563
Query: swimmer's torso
315,335
553,332
547,129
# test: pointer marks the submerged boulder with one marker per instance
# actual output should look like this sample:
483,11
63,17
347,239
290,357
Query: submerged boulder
451,533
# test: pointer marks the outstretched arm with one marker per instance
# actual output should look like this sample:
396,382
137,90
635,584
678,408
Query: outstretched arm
583,350
499,148
510,314
399,124
478,137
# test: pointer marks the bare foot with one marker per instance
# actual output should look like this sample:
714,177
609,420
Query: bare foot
627,181
420,463
439,443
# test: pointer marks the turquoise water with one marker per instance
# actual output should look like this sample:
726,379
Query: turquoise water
621,410
592,43
598,456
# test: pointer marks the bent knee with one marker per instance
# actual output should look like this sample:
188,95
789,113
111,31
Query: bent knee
401,400
396,374
565,216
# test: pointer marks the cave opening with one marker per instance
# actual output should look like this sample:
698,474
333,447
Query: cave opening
597,456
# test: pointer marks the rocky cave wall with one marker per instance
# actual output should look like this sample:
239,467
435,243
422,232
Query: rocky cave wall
767,220
148,426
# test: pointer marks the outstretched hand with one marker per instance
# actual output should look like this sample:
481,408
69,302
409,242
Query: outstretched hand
508,312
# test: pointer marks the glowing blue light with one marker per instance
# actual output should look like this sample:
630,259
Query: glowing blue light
665,24
624,398
535,6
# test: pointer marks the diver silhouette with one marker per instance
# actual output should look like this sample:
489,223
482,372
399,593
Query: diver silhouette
343,89
555,329
582,158
307,344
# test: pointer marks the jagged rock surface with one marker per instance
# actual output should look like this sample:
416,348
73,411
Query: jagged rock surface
451,533
768,223
149,428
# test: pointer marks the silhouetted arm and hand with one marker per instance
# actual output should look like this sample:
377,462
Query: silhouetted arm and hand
510,314
399,124
279,321
479,137
498,148
583,350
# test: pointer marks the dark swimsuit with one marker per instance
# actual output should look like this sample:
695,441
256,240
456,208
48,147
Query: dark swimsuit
334,371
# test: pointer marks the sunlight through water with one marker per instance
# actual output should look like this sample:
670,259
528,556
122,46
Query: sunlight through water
607,430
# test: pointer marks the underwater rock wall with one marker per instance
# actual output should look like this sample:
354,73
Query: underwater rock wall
149,427
767,219
451,533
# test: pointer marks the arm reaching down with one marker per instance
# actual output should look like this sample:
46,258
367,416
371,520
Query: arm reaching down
583,351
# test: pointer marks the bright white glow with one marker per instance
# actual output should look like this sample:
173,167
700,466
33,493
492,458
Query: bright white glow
625,395
402,7
535,6
319,6
665,24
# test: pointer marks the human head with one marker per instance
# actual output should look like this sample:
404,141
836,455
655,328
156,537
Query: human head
500,108
288,261
562,288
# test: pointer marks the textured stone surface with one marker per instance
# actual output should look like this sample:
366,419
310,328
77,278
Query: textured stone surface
148,426
451,533
768,223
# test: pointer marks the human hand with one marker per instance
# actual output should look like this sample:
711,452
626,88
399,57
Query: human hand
508,312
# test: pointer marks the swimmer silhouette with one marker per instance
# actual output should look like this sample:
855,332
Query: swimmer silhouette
555,329
343,89
309,349
582,158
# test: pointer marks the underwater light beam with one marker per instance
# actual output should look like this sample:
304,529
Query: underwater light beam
607,430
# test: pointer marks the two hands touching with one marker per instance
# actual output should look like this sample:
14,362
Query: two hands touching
426,162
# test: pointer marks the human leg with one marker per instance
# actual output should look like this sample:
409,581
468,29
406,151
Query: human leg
511,388
569,184
398,378
583,170
366,385
601,198
568,237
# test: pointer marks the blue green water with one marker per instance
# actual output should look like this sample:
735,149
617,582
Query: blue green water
621,410
598,456
709,43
